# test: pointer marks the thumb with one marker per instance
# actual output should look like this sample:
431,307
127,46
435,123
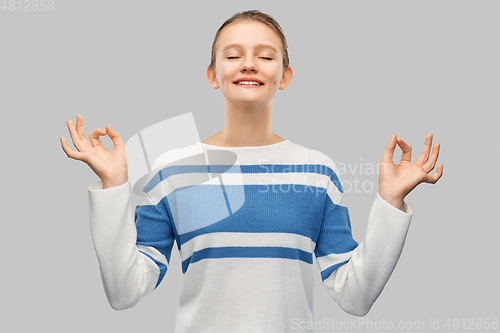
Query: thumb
389,149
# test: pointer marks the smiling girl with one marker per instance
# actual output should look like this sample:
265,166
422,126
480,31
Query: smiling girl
249,64
247,252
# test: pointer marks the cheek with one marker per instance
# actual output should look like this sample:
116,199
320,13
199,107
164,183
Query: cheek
275,74
226,74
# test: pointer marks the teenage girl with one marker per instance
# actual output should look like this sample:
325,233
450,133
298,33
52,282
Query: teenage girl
249,63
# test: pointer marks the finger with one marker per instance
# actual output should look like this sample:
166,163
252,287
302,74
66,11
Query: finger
69,152
389,150
432,159
79,126
406,148
115,137
432,179
425,150
79,143
94,137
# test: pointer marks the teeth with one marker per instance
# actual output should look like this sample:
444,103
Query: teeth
249,82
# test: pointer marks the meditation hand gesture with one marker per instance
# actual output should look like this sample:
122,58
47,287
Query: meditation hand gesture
110,165
397,180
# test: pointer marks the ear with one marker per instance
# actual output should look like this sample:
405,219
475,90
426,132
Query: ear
212,79
287,77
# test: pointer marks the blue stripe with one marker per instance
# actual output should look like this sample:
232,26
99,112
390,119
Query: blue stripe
262,168
161,266
248,252
267,208
153,230
335,235
327,272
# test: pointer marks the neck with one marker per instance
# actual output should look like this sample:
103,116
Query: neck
247,125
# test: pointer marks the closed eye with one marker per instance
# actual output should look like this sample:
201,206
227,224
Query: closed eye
262,58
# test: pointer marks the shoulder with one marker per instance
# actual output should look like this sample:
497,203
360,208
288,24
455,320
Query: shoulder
328,168
314,156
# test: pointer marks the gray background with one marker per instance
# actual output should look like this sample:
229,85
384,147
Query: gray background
362,71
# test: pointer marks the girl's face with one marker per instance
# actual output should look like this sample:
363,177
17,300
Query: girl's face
249,49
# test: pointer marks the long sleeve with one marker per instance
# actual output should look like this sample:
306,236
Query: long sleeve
133,249
354,276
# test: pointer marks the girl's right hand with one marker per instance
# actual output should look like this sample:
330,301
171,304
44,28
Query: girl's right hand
109,165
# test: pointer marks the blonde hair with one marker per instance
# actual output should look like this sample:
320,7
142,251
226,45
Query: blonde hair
259,16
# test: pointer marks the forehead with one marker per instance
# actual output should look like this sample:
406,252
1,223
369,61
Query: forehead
248,34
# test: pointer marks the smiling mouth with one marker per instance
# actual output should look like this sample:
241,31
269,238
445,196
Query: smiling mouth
248,83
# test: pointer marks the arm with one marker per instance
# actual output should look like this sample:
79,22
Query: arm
133,258
133,251
356,284
355,277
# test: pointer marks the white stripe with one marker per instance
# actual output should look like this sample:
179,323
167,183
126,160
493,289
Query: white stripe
223,239
291,153
248,279
168,185
153,253
332,259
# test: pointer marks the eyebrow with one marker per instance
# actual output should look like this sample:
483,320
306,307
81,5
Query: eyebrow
258,46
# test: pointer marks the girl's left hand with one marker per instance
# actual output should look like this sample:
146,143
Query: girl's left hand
397,180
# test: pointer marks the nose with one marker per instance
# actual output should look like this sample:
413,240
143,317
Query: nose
248,65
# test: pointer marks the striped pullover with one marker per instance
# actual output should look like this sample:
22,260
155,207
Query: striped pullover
247,222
